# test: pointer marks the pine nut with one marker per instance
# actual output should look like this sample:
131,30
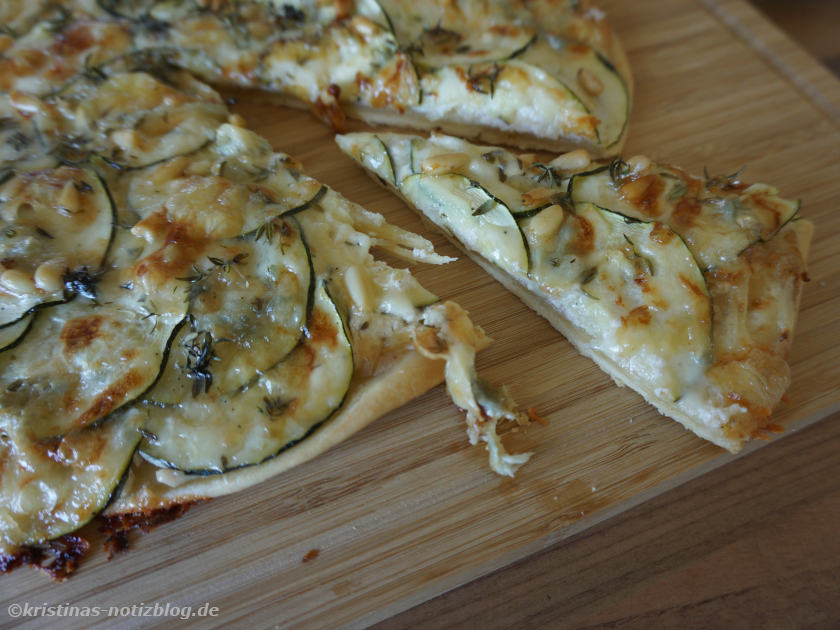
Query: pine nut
589,82
638,163
49,277
572,161
68,200
445,163
17,281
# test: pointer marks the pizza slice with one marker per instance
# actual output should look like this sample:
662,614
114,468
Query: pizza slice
685,289
547,75
186,313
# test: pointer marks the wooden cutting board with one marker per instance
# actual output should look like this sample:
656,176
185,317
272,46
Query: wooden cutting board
406,509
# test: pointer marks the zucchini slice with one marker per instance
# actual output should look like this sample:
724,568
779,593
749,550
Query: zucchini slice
638,280
373,154
717,219
12,334
595,81
51,488
133,119
20,148
466,210
500,172
280,409
249,302
248,191
84,359
439,34
513,93
55,224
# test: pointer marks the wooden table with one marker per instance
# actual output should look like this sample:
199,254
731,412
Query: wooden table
622,518
754,544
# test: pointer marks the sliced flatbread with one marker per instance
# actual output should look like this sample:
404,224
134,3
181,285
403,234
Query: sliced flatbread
685,289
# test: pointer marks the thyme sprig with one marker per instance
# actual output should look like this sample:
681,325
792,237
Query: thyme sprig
274,407
196,282
619,169
199,355
227,264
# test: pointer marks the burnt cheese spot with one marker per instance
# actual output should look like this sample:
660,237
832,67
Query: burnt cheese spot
639,316
584,238
692,286
643,193
73,40
321,330
686,212
79,333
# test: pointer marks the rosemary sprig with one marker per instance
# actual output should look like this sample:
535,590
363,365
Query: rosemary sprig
266,231
722,181
678,191
637,255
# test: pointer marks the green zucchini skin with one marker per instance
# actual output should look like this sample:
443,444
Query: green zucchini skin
719,218
71,492
215,434
265,281
471,214
31,237
13,333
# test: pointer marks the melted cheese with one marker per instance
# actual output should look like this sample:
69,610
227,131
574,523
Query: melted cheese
51,489
58,218
441,64
278,408
689,295
84,359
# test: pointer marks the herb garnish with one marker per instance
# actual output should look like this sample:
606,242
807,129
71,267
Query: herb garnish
678,191
80,282
199,356
619,169
484,81
484,207
226,264
440,36
647,262
196,281
275,407
722,181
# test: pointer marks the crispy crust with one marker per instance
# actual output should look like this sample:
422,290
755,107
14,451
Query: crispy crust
477,133
406,378
378,116
774,373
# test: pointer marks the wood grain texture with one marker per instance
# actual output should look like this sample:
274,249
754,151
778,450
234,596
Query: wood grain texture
751,545
406,510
